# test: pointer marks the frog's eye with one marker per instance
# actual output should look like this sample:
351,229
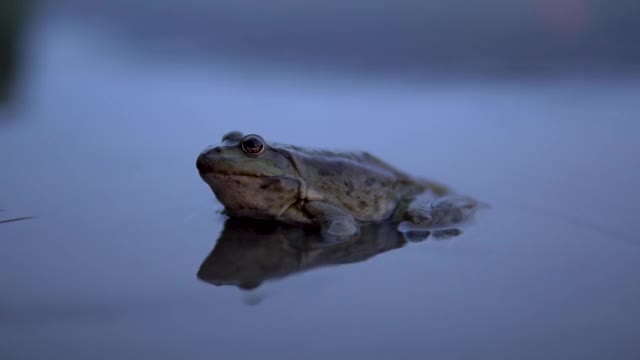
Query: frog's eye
252,144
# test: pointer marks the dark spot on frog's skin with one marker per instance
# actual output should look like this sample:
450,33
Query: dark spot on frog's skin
362,204
370,181
349,186
273,185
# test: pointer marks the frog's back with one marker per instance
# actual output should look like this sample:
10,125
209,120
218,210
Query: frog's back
365,186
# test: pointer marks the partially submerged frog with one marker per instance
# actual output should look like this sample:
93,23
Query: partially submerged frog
335,190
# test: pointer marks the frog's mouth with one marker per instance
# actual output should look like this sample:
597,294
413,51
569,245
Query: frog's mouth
208,172
224,177
207,168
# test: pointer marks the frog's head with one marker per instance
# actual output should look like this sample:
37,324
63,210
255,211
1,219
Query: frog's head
249,177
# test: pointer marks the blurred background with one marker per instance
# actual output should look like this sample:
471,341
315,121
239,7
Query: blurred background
528,105
404,38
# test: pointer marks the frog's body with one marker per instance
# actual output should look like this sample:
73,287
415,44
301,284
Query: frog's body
310,187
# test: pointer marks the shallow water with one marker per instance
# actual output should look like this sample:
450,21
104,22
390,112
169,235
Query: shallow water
102,148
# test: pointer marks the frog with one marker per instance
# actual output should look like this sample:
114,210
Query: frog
337,191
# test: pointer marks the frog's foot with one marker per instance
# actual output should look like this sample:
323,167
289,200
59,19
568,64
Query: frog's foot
439,213
341,228
336,223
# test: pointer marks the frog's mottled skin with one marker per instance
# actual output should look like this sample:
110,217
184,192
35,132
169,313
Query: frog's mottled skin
310,187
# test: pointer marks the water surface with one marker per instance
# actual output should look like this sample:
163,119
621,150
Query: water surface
103,153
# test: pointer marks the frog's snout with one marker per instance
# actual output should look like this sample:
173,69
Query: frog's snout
203,163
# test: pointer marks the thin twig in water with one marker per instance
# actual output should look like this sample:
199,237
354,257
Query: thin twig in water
17,219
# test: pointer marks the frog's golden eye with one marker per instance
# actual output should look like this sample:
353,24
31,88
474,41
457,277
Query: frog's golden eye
252,144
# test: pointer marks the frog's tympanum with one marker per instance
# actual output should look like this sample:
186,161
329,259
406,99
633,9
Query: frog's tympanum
336,191
250,252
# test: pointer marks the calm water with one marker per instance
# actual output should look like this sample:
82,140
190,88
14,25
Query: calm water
102,149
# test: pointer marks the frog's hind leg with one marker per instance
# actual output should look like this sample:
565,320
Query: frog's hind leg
431,212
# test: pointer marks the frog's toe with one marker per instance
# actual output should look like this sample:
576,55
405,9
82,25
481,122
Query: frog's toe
441,212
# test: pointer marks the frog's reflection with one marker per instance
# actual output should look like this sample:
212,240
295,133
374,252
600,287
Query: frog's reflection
249,252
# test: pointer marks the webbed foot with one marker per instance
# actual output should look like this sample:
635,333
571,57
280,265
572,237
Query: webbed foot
341,228
337,225
442,212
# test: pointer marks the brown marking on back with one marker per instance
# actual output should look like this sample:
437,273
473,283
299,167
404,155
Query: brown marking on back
349,187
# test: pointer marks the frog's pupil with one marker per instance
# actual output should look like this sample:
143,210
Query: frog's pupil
252,145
